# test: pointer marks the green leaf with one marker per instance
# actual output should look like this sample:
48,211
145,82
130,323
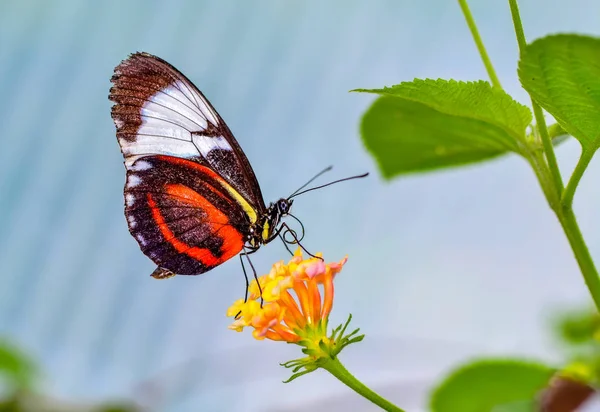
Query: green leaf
429,124
562,73
17,369
520,406
557,134
117,407
484,384
577,327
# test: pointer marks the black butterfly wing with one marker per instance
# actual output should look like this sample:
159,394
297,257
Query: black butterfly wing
184,216
159,111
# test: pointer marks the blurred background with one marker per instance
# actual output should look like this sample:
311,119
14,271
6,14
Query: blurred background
443,266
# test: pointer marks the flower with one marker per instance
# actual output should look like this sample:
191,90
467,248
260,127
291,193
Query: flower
292,303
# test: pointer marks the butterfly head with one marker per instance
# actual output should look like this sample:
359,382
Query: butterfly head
283,206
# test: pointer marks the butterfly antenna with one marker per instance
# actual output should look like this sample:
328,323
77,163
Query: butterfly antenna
327,169
328,184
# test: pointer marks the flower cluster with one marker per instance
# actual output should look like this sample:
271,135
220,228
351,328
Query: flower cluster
292,304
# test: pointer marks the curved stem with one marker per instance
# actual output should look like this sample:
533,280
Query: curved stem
335,367
475,33
537,110
582,164
582,254
567,220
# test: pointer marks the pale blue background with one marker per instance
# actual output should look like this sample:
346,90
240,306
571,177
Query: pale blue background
442,267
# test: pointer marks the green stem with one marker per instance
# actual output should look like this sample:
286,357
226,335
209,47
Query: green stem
540,167
549,171
335,367
582,254
537,110
475,33
514,11
567,220
549,177
582,164
548,147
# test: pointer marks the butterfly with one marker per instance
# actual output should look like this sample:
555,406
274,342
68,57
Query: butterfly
192,200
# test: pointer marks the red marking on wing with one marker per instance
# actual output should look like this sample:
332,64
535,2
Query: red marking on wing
188,163
217,220
200,168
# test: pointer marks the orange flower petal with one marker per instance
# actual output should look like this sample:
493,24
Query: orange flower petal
327,298
302,294
315,298
293,313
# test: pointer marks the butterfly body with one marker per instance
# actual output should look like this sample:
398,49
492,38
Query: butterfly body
192,200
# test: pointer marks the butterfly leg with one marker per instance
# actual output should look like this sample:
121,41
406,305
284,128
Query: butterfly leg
285,244
245,254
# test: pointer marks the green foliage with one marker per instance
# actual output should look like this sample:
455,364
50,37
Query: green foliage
486,384
117,407
20,375
578,327
25,401
16,368
562,72
406,137
519,406
580,331
429,124
557,134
